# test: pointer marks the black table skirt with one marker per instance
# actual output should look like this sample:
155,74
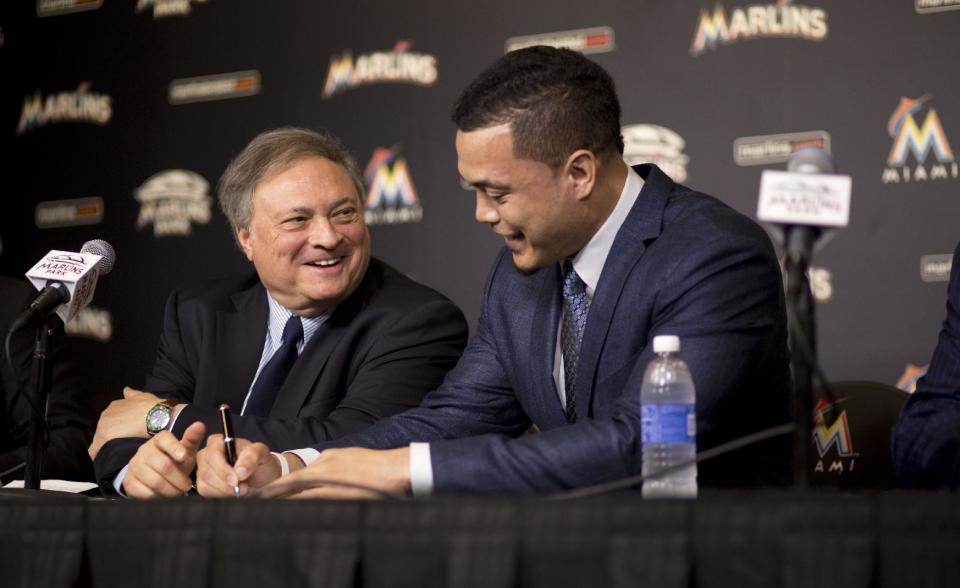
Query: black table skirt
739,540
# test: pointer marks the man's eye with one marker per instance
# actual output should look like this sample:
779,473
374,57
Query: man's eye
345,213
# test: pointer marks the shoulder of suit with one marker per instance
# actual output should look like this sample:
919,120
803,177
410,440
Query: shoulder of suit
384,284
15,295
217,292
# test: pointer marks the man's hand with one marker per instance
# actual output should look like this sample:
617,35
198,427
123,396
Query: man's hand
367,469
255,467
162,465
123,418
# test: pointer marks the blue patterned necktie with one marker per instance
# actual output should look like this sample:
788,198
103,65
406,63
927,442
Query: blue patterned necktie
576,305
272,376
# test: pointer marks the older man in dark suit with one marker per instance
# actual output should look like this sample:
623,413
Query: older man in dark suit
926,438
321,342
599,259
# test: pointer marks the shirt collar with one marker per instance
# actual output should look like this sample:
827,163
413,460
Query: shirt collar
279,315
588,263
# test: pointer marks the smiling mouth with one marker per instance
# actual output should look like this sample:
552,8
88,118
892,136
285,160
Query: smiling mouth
325,262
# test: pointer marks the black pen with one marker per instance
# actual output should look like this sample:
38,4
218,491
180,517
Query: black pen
229,443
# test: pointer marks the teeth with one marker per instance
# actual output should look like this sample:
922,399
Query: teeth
326,262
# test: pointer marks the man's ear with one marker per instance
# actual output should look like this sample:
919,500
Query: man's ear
243,237
581,170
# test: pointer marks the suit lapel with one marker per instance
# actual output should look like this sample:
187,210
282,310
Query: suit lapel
643,223
240,336
542,349
303,376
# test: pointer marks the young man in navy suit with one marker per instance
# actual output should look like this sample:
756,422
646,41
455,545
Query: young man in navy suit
926,438
598,259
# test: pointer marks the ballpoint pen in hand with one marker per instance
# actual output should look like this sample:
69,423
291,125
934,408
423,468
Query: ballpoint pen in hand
229,443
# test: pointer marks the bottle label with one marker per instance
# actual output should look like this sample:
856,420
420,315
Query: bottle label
668,423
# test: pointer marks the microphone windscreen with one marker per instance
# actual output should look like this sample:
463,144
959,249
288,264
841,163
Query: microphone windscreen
102,248
810,160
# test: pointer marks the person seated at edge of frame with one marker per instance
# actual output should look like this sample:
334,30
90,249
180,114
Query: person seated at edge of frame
599,259
322,341
925,441
69,419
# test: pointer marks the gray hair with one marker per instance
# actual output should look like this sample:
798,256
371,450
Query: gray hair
270,153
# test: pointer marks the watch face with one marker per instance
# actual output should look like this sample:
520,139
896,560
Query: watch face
157,418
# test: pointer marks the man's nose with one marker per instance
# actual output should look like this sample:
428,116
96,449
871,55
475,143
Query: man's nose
323,233
486,212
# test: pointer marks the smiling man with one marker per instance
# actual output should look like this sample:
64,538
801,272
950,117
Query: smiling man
321,342
599,259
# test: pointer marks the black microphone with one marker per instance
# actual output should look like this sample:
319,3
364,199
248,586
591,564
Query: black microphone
56,293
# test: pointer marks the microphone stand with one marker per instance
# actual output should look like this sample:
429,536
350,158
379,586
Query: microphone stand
803,345
42,370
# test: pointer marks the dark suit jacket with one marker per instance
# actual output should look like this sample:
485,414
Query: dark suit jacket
69,418
379,353
925,441
683,263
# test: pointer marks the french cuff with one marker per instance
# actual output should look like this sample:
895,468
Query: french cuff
306,455
421,469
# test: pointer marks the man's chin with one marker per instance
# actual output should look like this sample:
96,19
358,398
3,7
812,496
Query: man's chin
525,264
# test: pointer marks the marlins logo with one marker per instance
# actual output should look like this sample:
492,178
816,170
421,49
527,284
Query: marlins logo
172,200
919,140
80,106
911,374
836,434
758,21
391,197
400,65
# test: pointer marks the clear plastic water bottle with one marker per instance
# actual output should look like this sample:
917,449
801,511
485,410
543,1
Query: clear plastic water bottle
668,422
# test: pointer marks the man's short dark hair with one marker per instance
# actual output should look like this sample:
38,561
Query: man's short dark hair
555,100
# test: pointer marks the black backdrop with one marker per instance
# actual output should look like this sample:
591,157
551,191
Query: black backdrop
836,67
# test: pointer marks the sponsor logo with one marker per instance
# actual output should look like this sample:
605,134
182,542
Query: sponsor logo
215,87
91,323
835,435
80,106
769,149
63,265
925,6
164,8
758,21
398,66
69,213
55,7
936,268
920,140
173,200
592,40
655,144
391,197
911,373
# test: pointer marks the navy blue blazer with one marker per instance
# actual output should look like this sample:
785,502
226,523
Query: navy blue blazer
925,442
683,263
